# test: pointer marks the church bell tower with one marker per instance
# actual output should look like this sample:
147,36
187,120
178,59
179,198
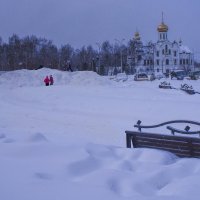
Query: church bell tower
162,31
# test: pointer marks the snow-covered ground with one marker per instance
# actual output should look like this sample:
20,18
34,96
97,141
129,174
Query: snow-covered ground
67,141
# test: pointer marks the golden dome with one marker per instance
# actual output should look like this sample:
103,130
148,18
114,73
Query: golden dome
137,35
162,27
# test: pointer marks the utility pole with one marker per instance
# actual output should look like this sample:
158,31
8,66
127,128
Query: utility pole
120,42
99,51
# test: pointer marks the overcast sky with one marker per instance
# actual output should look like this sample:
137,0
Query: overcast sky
84,22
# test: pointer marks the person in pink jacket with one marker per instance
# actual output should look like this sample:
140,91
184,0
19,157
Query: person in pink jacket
46,81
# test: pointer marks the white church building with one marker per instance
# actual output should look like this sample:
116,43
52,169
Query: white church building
163,56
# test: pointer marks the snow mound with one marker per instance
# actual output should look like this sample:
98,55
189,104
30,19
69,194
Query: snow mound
43,176
9,140
127,172
38,137
2,135
24,78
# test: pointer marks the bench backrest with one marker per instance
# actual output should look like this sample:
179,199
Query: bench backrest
181,146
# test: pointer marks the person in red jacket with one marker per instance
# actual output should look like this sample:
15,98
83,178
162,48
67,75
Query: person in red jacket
46,81
51,80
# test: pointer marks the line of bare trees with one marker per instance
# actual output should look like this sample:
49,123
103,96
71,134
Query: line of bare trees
31,52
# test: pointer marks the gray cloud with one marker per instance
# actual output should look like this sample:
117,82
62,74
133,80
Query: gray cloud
84,22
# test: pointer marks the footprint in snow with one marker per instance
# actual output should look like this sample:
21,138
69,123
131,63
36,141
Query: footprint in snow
9,140
38,137
84,167
43,176
2,136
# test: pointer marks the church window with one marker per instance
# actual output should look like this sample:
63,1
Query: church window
163,51
157,53
144,62
167,62
187,61
166,49
169,51
163,36
181,62
184,61
174,53
157,69
175,61
157,62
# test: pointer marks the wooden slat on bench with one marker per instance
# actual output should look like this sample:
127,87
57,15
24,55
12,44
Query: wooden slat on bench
162,141
161,137
195,145
185,153
181,146
161,144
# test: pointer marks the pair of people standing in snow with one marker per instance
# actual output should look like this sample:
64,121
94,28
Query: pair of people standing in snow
49,80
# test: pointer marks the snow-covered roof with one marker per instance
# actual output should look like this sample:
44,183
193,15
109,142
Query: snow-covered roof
184,49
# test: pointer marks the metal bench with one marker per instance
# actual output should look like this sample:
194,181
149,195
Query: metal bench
188,89
182,146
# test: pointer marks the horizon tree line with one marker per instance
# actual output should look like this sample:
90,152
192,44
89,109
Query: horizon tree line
31,52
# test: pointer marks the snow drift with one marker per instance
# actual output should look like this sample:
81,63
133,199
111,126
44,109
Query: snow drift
67,141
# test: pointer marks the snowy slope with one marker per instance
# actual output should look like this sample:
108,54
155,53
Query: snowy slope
21,78
67,141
